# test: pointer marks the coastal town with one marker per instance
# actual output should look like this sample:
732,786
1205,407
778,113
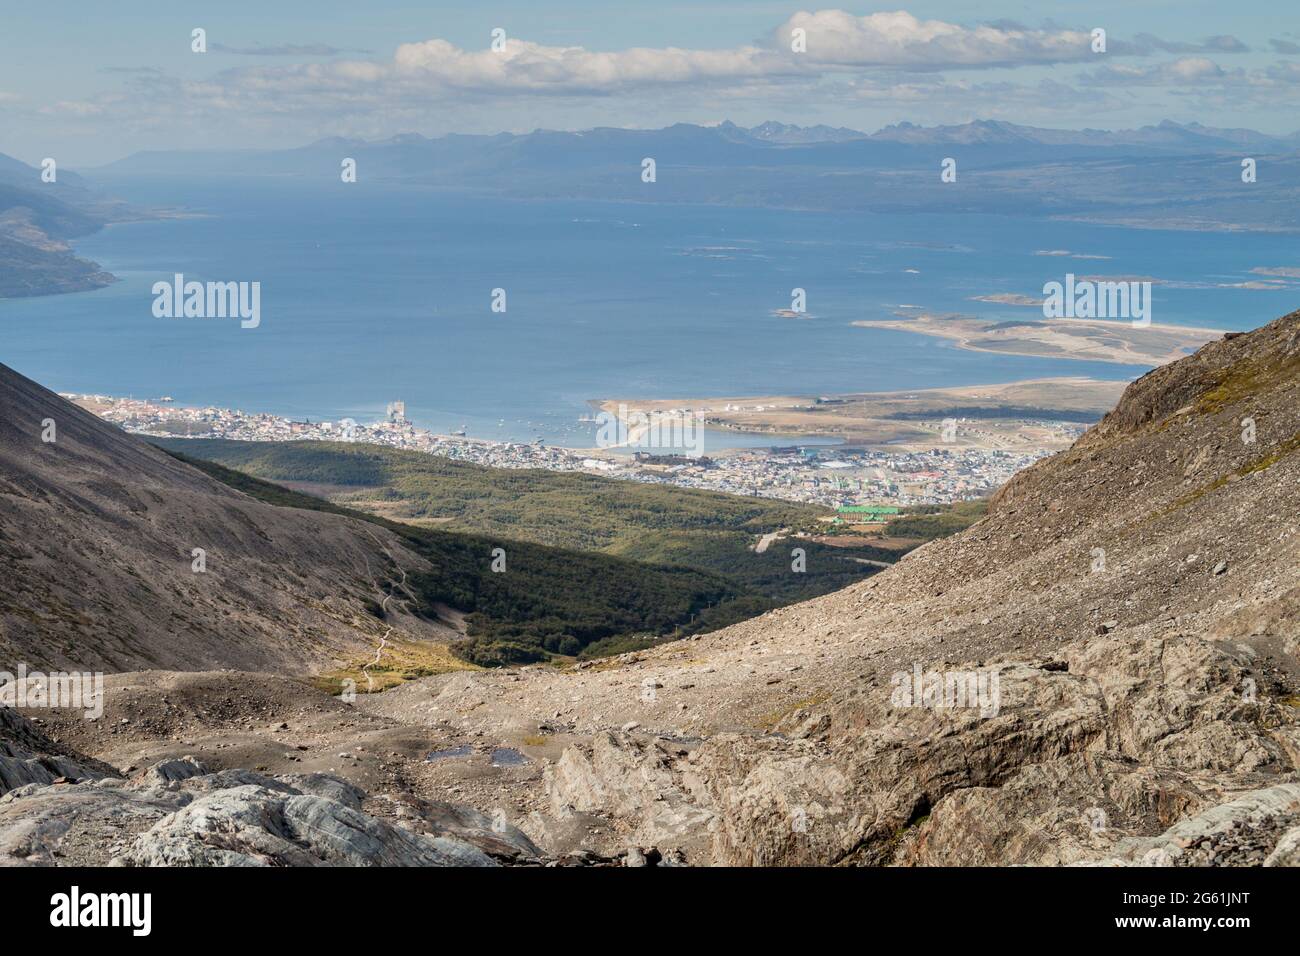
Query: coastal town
835,476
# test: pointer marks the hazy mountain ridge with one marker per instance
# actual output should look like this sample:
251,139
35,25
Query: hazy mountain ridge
37,220
774,136
1167,176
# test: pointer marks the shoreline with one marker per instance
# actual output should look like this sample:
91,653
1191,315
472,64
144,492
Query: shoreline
1089,340
971,463
1073,398
905,418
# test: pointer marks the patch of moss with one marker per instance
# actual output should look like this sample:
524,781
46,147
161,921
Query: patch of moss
770,720
1245,378
1287,447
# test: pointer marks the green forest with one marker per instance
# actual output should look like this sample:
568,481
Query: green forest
594,565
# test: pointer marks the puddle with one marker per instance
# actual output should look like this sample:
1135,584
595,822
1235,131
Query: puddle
462,751
508,757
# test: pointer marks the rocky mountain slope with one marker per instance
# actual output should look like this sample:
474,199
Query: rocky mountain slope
1137,598
97,538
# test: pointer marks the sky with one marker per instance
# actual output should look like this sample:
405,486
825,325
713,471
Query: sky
88,82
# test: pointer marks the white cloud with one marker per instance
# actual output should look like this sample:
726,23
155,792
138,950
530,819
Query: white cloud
527,66
1185,71
1206,84
902,41
838,42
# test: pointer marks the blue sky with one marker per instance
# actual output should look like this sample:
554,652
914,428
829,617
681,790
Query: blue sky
90,82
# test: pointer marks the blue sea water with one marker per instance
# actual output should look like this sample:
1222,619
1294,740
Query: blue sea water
373,293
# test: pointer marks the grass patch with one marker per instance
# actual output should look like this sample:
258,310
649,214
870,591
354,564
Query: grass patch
927,522
400,661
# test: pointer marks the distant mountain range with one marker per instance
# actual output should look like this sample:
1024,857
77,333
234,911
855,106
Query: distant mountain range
1168,176
770,143
1168,135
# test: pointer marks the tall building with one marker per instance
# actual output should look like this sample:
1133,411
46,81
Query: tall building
397,411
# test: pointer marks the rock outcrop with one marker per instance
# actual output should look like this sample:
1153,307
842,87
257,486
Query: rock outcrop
181,813
29,756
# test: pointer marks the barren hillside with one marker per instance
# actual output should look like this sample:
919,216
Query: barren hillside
97,539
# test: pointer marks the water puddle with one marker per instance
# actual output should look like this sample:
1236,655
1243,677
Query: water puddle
508,757
464,750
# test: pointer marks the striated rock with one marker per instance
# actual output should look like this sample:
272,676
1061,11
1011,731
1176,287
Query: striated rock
78,824
1287,850
1224,835
177,813
1123,736
170,772
620,776
28,756
492,834
257,826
